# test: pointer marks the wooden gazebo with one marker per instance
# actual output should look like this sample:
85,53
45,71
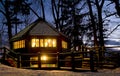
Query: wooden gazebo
39,37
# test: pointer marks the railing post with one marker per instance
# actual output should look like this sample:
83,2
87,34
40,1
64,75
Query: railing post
4,53
92,61
39,60
58,62
18,60
72,61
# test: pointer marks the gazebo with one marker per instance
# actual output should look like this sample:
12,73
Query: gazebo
39,37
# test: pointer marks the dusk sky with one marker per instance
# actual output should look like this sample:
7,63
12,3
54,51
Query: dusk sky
114,21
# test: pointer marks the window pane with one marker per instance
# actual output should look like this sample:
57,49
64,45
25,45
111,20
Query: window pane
41,42
14,45
45,43
19,44
22,44
49,42
64,44
54,42
37,42
33,43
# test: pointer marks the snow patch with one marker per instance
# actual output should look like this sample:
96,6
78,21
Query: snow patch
11,71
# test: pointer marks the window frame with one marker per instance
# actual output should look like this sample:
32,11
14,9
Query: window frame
45,43
64,44
19,44
36,42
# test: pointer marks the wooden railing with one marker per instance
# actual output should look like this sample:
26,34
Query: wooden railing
9,56
75,59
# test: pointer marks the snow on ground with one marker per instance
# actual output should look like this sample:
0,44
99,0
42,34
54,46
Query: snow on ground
11,71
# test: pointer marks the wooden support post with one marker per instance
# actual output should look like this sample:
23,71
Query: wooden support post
72,61
39,60
58,62
92,61
18,61
4,54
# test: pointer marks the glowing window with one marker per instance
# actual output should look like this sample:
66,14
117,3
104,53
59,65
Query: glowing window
19,44
41,43
48,43
54,43
64,44
44,58
35,42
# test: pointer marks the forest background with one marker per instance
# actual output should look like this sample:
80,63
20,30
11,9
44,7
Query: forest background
86,22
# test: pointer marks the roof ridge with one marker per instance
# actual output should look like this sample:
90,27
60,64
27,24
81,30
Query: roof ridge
28,28
50,25
38,27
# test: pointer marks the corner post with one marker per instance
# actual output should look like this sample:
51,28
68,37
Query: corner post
18,60
4,54
39,60
73,61
92,61
58,61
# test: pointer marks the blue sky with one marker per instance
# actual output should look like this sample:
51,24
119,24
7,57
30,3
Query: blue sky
114,21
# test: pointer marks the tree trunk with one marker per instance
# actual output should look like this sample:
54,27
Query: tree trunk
8,20
100,28
93,23
100,22
117,6
43,11
55,13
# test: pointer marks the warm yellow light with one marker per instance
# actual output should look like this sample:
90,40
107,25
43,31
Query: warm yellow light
64,44
54,42
49,40
19,44
44,57
35,43
41,43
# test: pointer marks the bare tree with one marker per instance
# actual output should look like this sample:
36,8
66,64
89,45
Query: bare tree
117,6
93,25
43,11
56,12
9,10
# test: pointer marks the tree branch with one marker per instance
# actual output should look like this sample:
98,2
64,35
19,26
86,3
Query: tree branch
32,10
113,30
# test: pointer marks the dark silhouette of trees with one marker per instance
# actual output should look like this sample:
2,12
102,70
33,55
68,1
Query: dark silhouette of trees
97,21
56,12
116,13
70,20
10,9
68,17
97,24
117,6
43,11
99,6
93,23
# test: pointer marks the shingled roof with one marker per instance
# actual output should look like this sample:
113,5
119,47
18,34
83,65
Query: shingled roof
38,28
